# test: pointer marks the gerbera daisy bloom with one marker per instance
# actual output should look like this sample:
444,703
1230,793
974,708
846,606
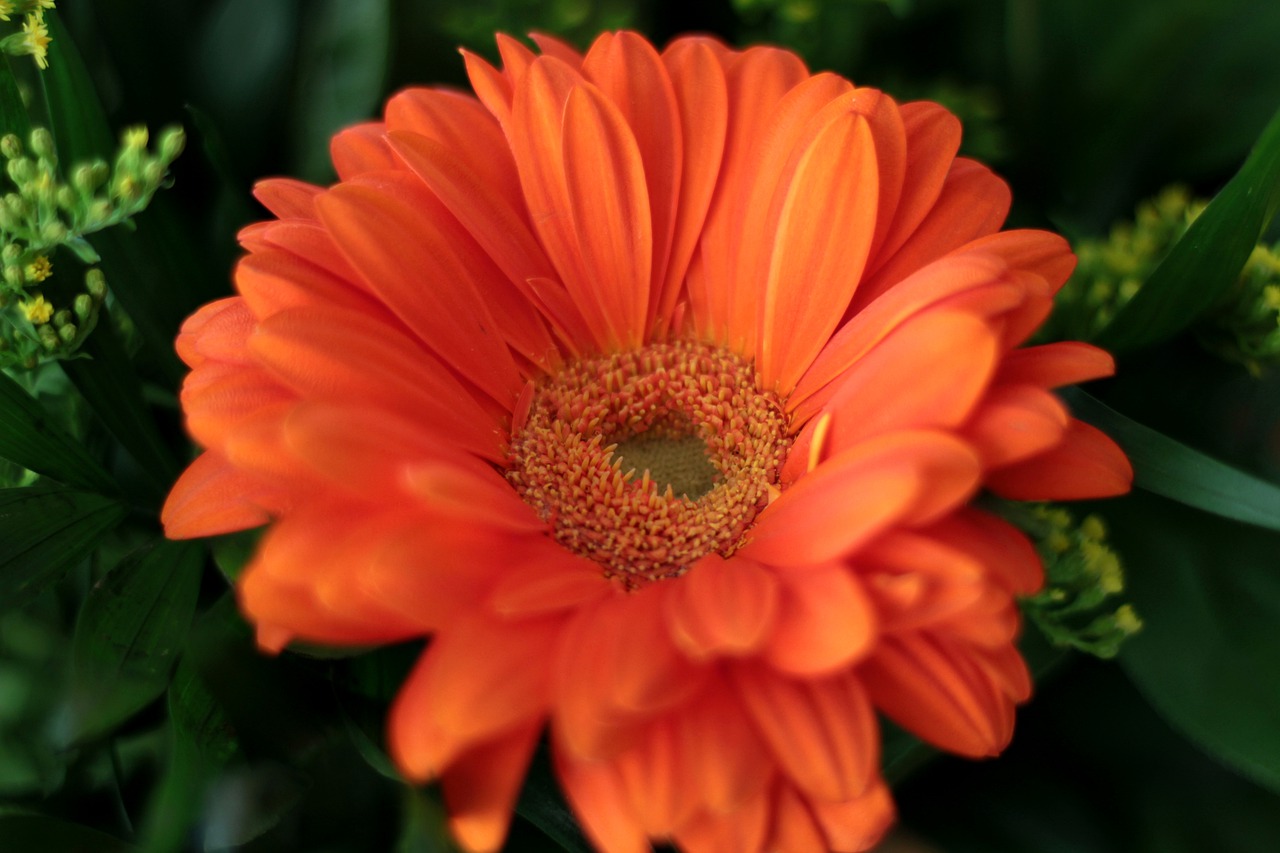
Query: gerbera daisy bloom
654,388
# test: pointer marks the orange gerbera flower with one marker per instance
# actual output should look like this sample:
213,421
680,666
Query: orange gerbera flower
653,387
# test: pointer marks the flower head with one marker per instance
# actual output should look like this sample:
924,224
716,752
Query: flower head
654,387
35,38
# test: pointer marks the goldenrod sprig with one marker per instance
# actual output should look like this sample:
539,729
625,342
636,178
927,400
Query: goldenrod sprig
1077,607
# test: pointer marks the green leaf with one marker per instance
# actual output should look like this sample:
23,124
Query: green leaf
1209,596
131,627
13,113
141,265
29,438
1172,470
542,804
1205,263
425,827
110,385
79,123
36,833
44,531
202,743
343,59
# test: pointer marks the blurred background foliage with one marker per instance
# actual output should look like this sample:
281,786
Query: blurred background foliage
135,714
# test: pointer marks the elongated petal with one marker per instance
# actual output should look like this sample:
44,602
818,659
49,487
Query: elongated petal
211,497
824,233
429,281
854,495
610,207
723,607
938,696
1056,364
480,679
825,622
823,733
701,94
1016,422
331,354
973,203
930,372
481,786
1086,464
632,76
287,198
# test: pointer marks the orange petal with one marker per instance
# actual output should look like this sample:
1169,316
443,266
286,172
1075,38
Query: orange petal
825,622
631,75
1086,464
362,149
479,679
210,498
287,198
217,397
194,326
856,824
433,570
973,203
782,142
552,46
722,607
492,88
312,585
405,244
471,494
932,139
918,581
605,182
271,281
460,124
931,286
537,140
498,225
618,665
743,831
929,372
757,79
330,354
998,546
480,788
1015,422
938,695
600,802
1056,364
724,757
822,733
548,580
702,99
1044,253
794,826
655,776
823,234
849,498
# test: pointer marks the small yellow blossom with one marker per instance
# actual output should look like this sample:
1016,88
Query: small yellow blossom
135,137
37,310
39,269
36,39
6,9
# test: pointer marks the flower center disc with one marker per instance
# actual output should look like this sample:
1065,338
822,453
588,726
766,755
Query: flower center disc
647,460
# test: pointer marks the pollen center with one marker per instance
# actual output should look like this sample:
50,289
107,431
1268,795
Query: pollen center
646,461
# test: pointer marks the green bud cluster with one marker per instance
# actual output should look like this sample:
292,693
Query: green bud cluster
1244,327
35,330
41,213
1077,607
